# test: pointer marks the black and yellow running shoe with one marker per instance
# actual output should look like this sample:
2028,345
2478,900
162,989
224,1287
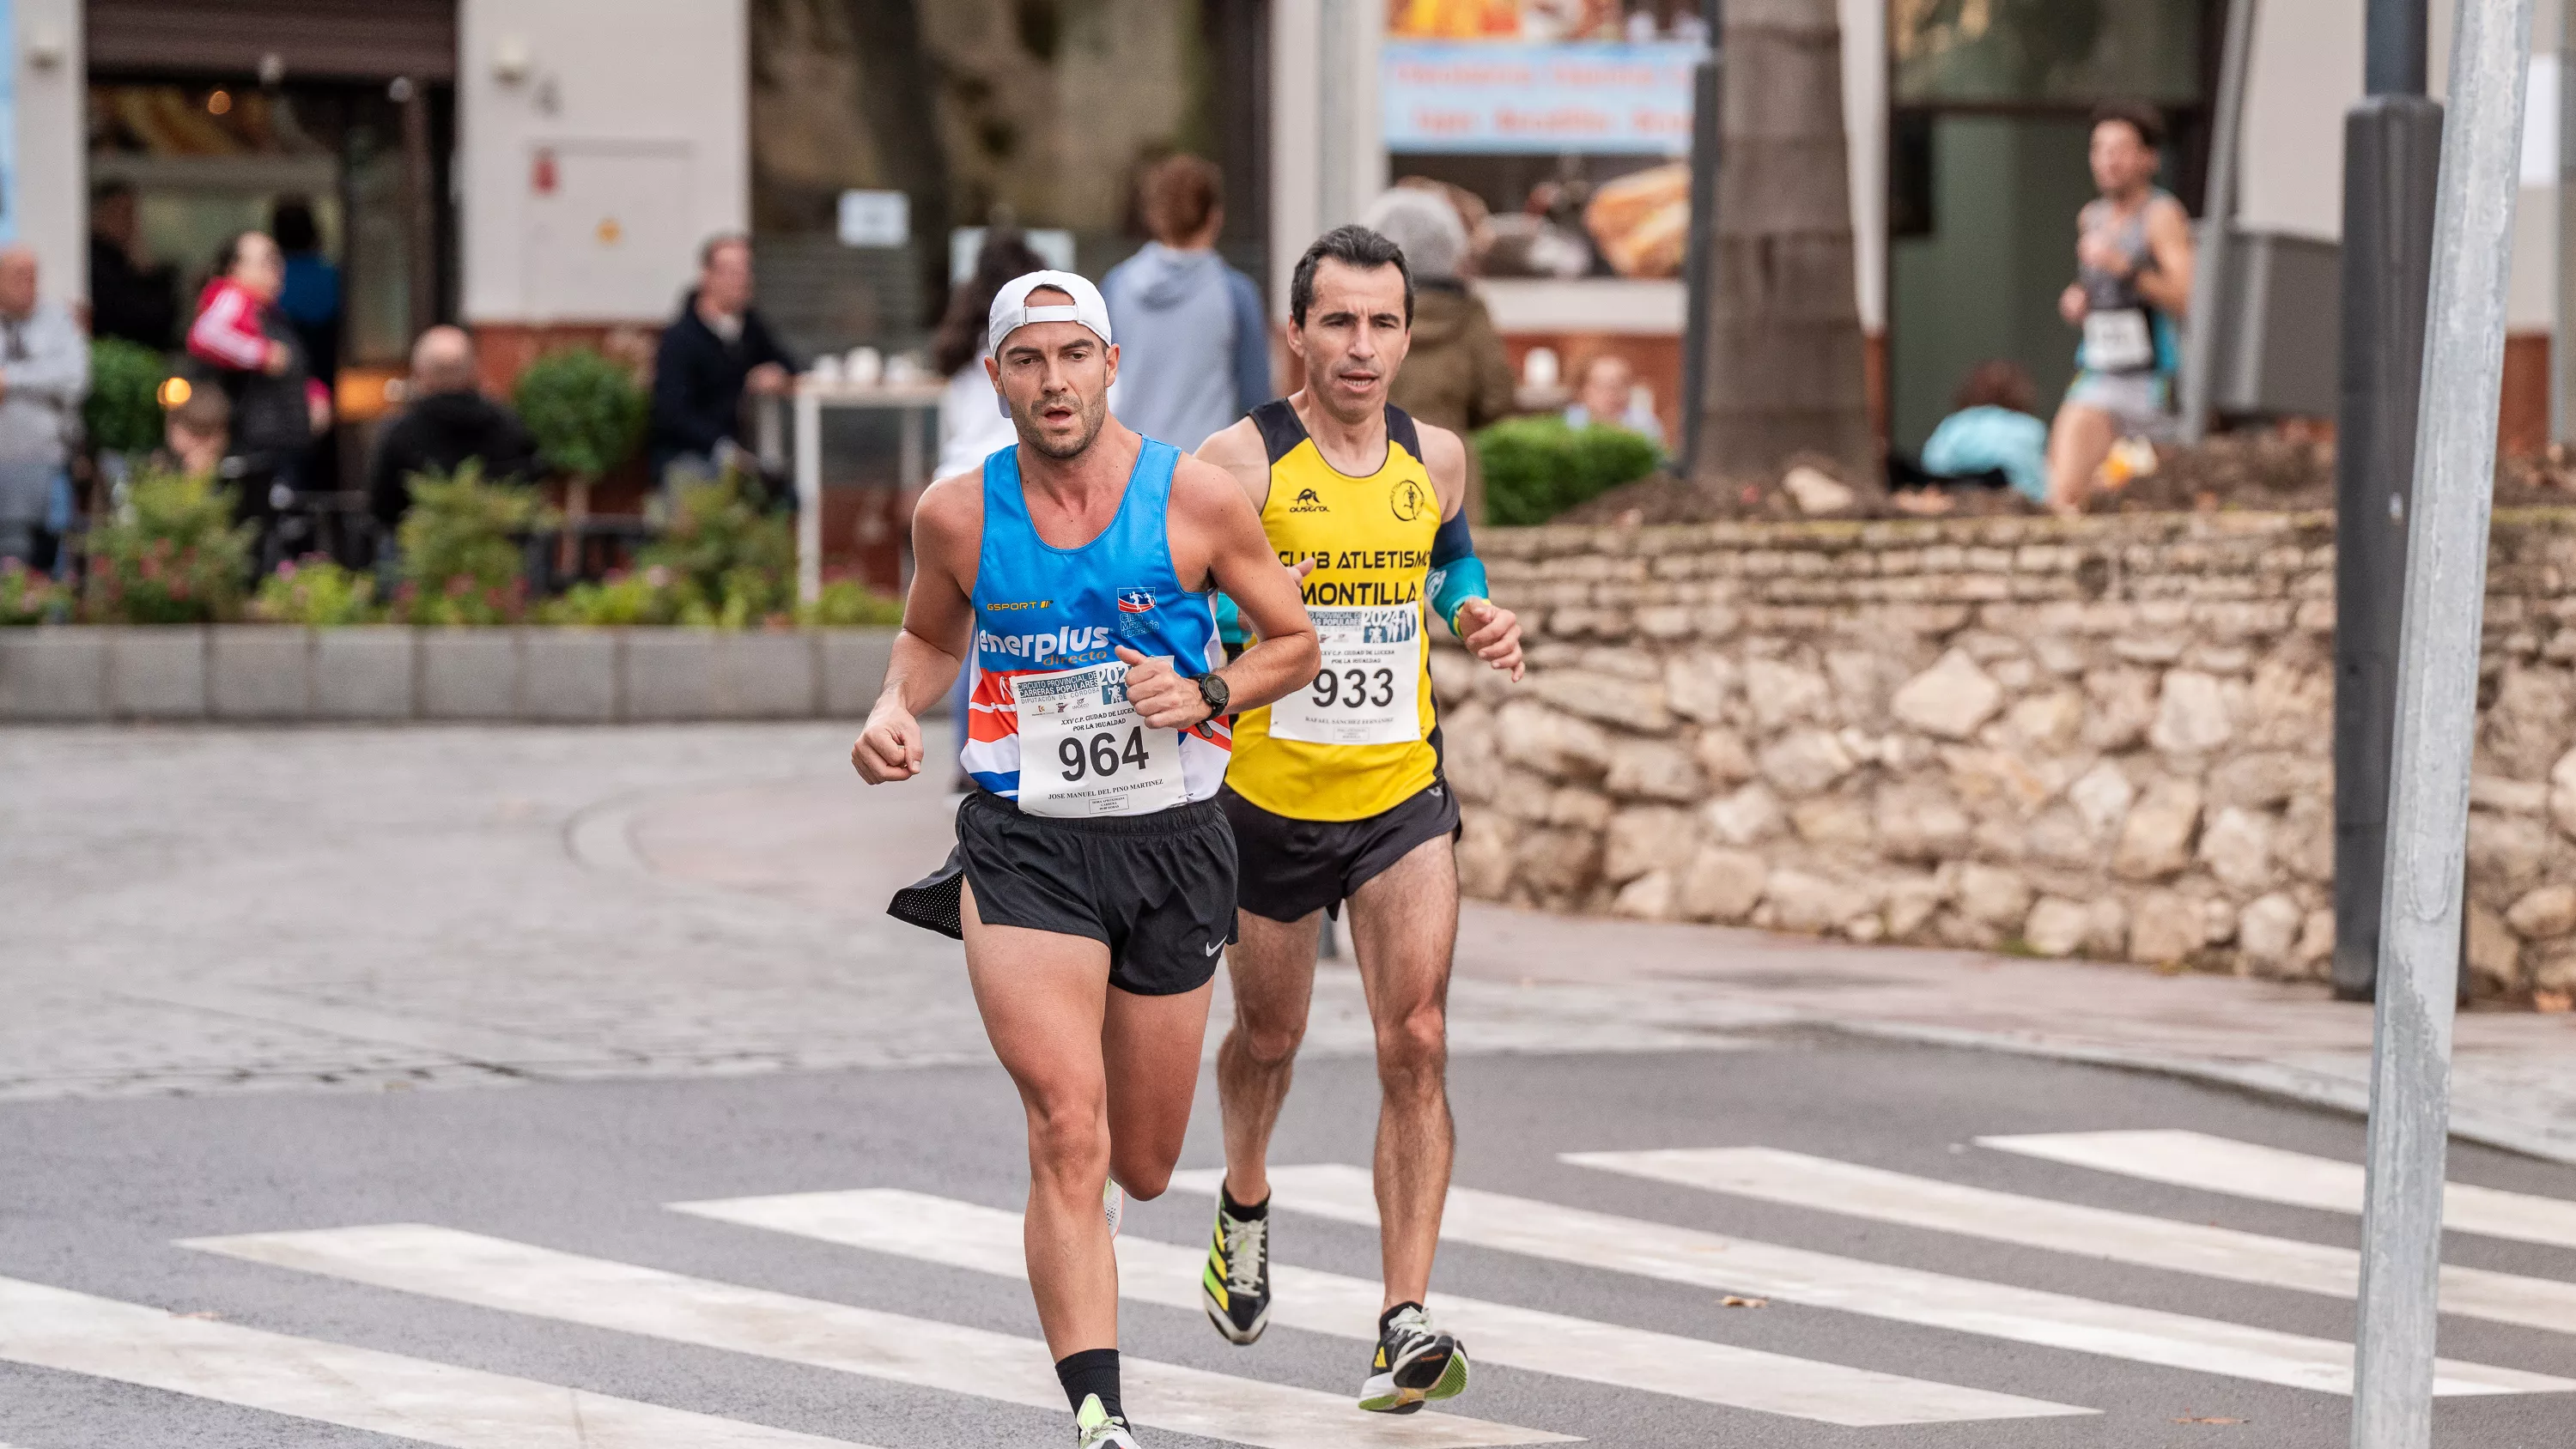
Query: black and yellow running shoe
1415,1362
1236,1286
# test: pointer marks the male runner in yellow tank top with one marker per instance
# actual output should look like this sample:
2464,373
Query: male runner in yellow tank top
1335,791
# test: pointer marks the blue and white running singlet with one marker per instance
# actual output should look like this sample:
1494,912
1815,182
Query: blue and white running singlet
1048,623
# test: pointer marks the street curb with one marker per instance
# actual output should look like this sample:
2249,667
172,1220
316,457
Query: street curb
2261,1078
77,674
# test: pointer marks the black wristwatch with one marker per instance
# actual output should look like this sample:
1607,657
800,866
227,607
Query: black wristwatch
1213,693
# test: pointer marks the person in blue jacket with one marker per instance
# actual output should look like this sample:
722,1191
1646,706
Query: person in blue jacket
1193,343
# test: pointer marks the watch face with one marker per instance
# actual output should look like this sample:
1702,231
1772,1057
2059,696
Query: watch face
1213,690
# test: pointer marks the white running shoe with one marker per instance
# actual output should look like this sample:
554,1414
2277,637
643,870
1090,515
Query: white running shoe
1099,1429
1113,1206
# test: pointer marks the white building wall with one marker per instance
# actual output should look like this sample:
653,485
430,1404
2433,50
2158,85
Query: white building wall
643,108
2303,75
53,201
1865,127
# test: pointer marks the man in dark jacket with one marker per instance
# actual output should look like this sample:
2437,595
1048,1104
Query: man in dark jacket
716,350
447,422
128,298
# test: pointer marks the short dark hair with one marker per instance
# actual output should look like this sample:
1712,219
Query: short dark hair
1180,193
291,222
1353,246
707,249
1997,383
2138,116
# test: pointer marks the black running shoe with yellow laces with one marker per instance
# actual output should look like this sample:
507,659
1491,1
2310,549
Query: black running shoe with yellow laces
1236,1286
1415,1362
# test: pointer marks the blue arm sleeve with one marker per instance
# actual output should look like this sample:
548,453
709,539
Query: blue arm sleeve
1229,622
1251,344
1457,575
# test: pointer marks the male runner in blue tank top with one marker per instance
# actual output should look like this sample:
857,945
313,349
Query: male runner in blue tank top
1094,877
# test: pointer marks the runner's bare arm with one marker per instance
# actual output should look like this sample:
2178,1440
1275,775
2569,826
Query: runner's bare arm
1240,452
938,625
1217,538
2168,283
1490,632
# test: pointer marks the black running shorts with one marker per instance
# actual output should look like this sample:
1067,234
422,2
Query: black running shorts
1294,868
1157,890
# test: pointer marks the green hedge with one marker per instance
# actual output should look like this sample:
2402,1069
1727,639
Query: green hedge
1537,468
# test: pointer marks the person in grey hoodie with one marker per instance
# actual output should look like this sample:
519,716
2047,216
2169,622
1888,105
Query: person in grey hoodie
44,375
1193,347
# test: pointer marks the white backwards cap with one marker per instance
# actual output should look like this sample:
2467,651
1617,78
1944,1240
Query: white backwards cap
1011,311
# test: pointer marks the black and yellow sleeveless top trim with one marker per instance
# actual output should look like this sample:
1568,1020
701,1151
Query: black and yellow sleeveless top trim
1371,539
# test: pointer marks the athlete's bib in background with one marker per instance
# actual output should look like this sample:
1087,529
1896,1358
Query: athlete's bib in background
1366,741
1364,693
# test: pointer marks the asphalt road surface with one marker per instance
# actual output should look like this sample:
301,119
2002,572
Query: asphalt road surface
559,1089
513,1266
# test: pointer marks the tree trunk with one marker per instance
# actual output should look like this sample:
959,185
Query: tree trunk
1784,363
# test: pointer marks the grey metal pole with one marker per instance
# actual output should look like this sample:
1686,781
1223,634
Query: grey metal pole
1708,98
2437,691
2397,36
2218,224
2562,346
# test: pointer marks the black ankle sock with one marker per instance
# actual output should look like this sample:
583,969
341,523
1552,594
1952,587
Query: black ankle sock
1388,1316
1238,1211
1092,1371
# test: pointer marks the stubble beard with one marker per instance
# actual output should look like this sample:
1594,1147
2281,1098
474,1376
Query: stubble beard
1093,412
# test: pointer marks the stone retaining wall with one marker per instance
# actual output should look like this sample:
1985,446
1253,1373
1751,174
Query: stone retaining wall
2108,737
272,672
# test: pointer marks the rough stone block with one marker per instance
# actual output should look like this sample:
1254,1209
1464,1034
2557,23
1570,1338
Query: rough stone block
570,674
363,674
468,673
259,671
157,672
54,673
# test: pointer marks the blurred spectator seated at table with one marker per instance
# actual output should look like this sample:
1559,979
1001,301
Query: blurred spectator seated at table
1606,391
1193,345
196,433
44,376
310,292
1993,438
129,298
715,353
446,421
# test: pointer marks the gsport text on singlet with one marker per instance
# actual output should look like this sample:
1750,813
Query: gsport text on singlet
1048,625
1362,738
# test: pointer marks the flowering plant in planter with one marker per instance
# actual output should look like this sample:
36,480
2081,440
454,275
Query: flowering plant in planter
318,593
28,597
463,550
171,555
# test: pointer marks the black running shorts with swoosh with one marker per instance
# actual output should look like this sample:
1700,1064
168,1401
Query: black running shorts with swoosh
1157,890
1293,868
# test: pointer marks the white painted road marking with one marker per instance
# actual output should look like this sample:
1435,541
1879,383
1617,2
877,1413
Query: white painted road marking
1878,1290
2212,1252
356,1388
987,1240
2269,1174
625,1298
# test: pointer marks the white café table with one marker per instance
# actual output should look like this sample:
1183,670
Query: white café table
812,395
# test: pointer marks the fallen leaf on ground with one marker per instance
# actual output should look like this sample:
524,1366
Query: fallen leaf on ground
1731,1301
2553,1001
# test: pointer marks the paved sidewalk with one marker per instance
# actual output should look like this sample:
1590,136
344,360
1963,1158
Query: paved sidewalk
218,909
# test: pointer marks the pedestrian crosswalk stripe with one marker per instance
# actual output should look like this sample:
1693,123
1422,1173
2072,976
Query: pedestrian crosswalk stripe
1879,1290
2269,1174
622,1297
356,1388
2213,1252
987,1240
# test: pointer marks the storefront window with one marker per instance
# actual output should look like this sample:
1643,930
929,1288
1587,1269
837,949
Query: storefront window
2045,51
1558,125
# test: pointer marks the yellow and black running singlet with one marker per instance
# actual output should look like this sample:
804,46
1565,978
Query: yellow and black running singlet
1362,738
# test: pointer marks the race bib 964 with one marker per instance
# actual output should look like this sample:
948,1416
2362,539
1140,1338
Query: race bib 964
1085,751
